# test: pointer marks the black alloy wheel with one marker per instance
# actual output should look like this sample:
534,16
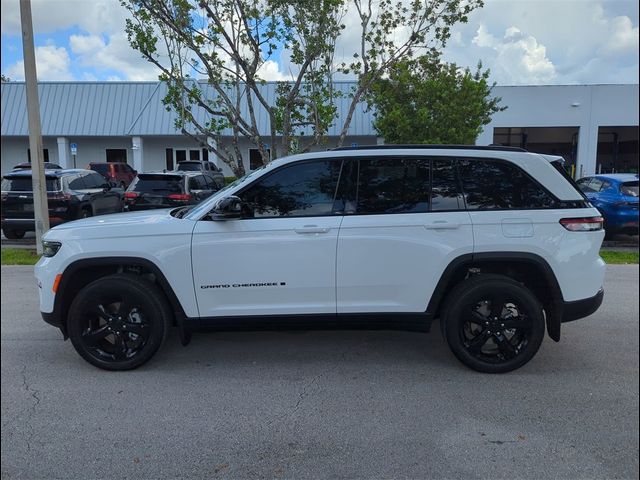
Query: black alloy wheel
118,322
493,324
12,234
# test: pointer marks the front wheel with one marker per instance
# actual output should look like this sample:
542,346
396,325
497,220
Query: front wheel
118,322
12,234
493,324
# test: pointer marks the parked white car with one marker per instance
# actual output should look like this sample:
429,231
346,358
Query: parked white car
496,242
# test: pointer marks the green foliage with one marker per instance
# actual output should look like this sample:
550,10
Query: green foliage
614,257
19,256
427,101
210,54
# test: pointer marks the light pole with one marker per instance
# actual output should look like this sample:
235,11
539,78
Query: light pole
40,204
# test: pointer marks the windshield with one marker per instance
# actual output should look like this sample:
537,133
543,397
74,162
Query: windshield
629,188
205,206
158,184
189,166
24,184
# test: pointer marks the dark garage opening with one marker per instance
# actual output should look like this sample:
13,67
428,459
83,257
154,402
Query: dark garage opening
617,150
561,141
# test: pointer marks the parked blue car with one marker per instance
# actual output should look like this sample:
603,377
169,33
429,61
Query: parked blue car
616,196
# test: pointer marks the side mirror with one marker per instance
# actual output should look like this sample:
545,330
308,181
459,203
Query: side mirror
227,208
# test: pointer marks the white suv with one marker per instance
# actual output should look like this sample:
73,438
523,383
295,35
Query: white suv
496,242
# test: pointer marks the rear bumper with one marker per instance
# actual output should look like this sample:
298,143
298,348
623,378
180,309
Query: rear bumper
582,308
29,224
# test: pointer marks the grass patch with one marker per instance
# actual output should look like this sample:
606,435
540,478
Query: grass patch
19,256
615,257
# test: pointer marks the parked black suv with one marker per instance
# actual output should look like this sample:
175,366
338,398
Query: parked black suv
168,189
71,193
206,167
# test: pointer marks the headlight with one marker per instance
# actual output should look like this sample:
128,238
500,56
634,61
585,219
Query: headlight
49,249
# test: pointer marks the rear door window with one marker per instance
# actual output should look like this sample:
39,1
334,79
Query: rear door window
76,183
445,186
499,185
393,185
94,181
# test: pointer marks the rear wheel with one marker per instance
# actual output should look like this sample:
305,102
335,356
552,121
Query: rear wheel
492,323
118,322
12,234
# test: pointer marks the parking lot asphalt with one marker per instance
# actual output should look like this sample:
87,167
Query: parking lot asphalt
340,404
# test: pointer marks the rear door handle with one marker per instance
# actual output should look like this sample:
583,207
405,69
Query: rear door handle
311,229
442,225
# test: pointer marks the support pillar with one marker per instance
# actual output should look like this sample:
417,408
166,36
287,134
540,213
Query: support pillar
212,156
137,145
63,152
587,150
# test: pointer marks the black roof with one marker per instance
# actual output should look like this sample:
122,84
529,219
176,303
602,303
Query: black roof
499,148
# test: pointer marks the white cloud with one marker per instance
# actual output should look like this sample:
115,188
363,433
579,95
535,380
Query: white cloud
115,54
270,71
93,16
52,63
518,58
537,41
623,37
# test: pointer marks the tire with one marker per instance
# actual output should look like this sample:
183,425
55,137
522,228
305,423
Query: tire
118,322
493,340
86,212
13,234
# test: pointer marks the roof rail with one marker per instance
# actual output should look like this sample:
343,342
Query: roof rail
499,148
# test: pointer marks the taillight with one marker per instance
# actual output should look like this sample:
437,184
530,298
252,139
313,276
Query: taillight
58,196
588,224
130,195
183,197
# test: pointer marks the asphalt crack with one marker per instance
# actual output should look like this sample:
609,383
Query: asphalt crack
32,410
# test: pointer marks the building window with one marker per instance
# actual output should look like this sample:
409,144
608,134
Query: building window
117,155
46,155
255,159
183,154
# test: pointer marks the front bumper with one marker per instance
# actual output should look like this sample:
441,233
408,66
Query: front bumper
582,308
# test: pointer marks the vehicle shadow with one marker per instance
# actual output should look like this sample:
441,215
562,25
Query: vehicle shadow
305,347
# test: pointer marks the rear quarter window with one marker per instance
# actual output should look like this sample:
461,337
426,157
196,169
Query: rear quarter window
629,188
499,185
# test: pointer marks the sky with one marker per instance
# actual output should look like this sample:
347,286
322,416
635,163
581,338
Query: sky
522,42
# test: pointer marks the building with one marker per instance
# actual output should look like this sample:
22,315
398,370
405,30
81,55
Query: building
595,127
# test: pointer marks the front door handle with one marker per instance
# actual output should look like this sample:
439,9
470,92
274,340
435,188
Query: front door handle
442,225
311,229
